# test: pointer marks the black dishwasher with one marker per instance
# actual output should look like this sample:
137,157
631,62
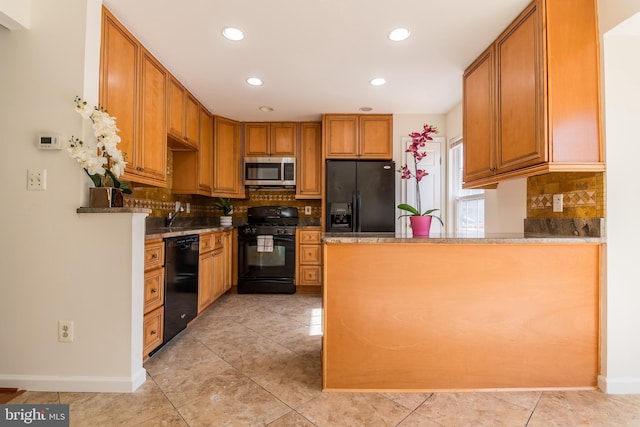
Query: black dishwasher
180,283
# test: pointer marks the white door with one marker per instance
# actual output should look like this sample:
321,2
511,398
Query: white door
430,191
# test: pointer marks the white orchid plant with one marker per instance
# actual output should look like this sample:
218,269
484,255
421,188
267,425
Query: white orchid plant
103,162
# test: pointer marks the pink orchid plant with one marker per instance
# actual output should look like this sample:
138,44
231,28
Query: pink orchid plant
419,140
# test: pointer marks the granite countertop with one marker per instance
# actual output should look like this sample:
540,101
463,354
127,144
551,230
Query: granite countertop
504,238
163,232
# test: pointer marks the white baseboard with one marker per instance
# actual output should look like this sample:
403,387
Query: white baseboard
75,383
619,385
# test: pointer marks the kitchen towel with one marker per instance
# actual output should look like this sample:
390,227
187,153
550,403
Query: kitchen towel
265,243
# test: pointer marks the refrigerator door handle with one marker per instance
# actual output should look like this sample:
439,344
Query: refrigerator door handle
359,205
354,211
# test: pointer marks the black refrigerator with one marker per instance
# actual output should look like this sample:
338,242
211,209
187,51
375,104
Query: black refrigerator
360,196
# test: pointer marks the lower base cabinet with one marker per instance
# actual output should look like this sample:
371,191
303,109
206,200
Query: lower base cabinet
153,330
153,322
309,255
211,270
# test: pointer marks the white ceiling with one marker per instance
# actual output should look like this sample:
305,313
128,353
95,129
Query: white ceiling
317,56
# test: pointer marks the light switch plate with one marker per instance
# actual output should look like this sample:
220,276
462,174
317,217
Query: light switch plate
36,179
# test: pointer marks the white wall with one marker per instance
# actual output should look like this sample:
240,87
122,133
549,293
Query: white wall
56,264
505,208
14,14
453,122
621,293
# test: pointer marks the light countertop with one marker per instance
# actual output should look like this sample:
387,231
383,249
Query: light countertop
472,238
163,232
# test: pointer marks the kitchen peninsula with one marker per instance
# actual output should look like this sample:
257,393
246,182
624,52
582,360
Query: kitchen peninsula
496,312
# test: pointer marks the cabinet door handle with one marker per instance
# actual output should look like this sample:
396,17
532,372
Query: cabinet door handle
154,332
154,290
154,256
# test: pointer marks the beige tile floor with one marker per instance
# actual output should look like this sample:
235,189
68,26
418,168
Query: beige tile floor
255,360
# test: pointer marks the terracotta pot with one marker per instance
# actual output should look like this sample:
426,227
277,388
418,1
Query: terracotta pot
105,197
421,225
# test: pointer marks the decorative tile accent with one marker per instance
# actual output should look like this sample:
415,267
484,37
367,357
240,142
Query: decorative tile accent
583,195
576,198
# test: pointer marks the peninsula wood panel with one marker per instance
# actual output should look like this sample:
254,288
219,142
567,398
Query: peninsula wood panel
408,317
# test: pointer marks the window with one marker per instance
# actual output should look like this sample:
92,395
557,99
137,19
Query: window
466,205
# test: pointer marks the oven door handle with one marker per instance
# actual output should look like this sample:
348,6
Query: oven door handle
284,238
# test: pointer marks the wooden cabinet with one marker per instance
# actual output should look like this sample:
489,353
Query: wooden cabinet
133,88
309,255
183,112
193,170
270,139
352,136
153,322
309,167
227,247
531,100
153,330
227,161
478,116
211,269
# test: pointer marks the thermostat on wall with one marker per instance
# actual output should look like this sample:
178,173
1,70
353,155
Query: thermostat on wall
49,142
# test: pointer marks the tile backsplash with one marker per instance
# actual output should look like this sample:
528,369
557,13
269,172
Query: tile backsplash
161,201
583,195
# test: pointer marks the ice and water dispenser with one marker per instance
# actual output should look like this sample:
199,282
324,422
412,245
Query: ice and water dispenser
340,217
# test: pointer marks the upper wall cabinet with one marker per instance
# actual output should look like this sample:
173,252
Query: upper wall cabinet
351,136
270,139
227,163
309,170
192,170
183,112
133,87
531,101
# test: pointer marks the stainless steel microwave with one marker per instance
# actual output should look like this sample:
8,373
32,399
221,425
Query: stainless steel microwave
270,171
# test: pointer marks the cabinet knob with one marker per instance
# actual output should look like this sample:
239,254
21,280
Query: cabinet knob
154,256
154,290
154,332
139,169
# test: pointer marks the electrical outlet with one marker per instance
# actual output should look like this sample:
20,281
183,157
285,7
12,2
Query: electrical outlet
65,330
558,203
178,204
36,179
188,207
307,210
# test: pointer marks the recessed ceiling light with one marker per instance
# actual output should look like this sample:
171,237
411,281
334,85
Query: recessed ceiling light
365,108
254,81
378,81
266,109
399,34
232,33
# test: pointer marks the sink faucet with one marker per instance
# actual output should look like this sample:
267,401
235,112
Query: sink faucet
168,221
